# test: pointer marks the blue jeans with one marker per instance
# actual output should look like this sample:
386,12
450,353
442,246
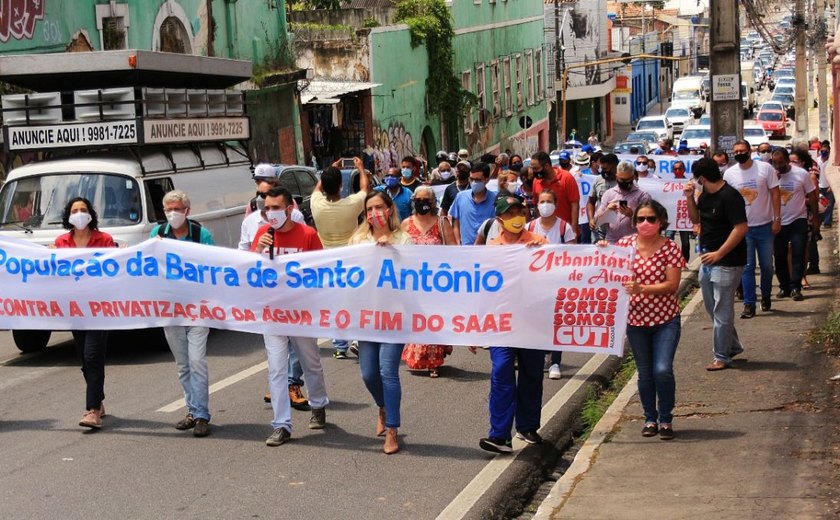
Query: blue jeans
654,349
759,242
794,234
380,365
295,371
511,398
585,233
718,284
189,346
340,345
829,211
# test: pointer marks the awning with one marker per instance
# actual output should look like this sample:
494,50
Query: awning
328,92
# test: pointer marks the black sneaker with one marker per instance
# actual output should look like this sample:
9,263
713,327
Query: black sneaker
278,436
796,295
765,304
748,312
318,419
354,348
531,437
813,269
650,430
495,445
783,294
340,354
186,423
202,428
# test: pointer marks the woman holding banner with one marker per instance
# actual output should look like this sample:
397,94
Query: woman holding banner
425,227
380,362
81,219
653,324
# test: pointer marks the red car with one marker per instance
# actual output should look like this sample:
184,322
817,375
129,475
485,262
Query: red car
772,121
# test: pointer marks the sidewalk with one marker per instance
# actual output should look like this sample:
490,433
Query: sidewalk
760,440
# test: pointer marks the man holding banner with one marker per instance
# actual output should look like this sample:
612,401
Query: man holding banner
188,343
510,397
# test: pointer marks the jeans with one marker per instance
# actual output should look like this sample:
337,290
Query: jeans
759,242
794,234
585,233
654,348
90,349
511,398
277,354
295,371
829,211
685,242
340,345
189,346
380,366
718,284
556,356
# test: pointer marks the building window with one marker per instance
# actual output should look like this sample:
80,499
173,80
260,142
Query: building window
529,77
494,86
538,74
517,73
506,79
480,92
112,22
466,84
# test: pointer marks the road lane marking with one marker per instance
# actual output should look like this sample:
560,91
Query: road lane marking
224,383
494,469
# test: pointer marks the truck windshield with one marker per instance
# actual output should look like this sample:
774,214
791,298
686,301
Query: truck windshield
686,94
38,202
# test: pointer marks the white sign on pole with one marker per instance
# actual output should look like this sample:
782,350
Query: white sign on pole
726,87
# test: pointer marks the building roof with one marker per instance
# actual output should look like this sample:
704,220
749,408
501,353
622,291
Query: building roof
320,91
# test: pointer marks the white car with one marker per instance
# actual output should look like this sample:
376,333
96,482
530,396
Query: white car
755,134
680,117
694,136
771,105
660,124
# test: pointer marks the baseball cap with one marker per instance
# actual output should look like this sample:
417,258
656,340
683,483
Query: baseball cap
587,148
265,171
506,202
463,153
468,164
564,156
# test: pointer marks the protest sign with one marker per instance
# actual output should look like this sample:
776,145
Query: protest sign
550,298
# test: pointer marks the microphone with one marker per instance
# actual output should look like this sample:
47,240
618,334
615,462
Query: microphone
270,231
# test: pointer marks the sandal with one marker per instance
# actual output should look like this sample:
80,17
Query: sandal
650,430
666,432
433,373
805,284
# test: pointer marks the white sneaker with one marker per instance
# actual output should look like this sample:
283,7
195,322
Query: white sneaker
554,372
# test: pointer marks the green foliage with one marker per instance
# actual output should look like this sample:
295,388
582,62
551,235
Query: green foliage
370,23
828,335
300,5
599,399
310,26
429,23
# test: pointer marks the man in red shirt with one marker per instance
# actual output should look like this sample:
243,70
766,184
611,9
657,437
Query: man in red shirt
562,183
289,237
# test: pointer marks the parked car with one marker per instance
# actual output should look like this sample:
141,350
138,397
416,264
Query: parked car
301,181
660,124
705,119
788,101
785,88
680,117
772,105
755,134
773,121
694,136
650,138
630,147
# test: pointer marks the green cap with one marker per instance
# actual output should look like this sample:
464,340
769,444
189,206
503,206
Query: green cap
505,202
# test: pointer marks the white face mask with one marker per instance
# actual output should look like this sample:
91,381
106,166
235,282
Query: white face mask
546,209
641,167
79,220
176,219
445,174
276,218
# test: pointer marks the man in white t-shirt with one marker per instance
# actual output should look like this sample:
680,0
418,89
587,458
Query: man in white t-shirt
797,194
758,183
336,218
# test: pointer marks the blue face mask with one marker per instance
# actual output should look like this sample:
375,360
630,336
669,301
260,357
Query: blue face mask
392,182
407,173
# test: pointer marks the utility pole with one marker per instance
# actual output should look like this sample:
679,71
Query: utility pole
801,99
725,72
822,88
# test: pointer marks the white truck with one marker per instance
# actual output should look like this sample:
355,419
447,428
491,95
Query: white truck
688,92
748,92
124,128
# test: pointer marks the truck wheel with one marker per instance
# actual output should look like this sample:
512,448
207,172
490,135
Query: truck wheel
31,340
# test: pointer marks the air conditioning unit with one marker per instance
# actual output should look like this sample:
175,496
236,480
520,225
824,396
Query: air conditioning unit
41,108
104,104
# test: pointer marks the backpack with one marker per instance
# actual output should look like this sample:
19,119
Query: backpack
195,231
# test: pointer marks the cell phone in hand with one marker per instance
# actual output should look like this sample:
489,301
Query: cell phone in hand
348,163
622,203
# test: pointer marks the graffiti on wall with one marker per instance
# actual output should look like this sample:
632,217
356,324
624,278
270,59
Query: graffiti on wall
581,35
390,146
18,17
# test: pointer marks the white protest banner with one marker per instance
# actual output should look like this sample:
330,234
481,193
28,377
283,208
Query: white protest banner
669,193
665,163
551,298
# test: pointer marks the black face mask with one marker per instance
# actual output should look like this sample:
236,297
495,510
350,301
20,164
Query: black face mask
783,169
608,174
516,167
741,158
624,185
463,176
566,165
422,207
539,174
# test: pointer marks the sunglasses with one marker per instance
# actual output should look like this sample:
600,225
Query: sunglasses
642,162
650,220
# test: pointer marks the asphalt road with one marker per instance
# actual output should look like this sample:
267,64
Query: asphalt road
139,466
